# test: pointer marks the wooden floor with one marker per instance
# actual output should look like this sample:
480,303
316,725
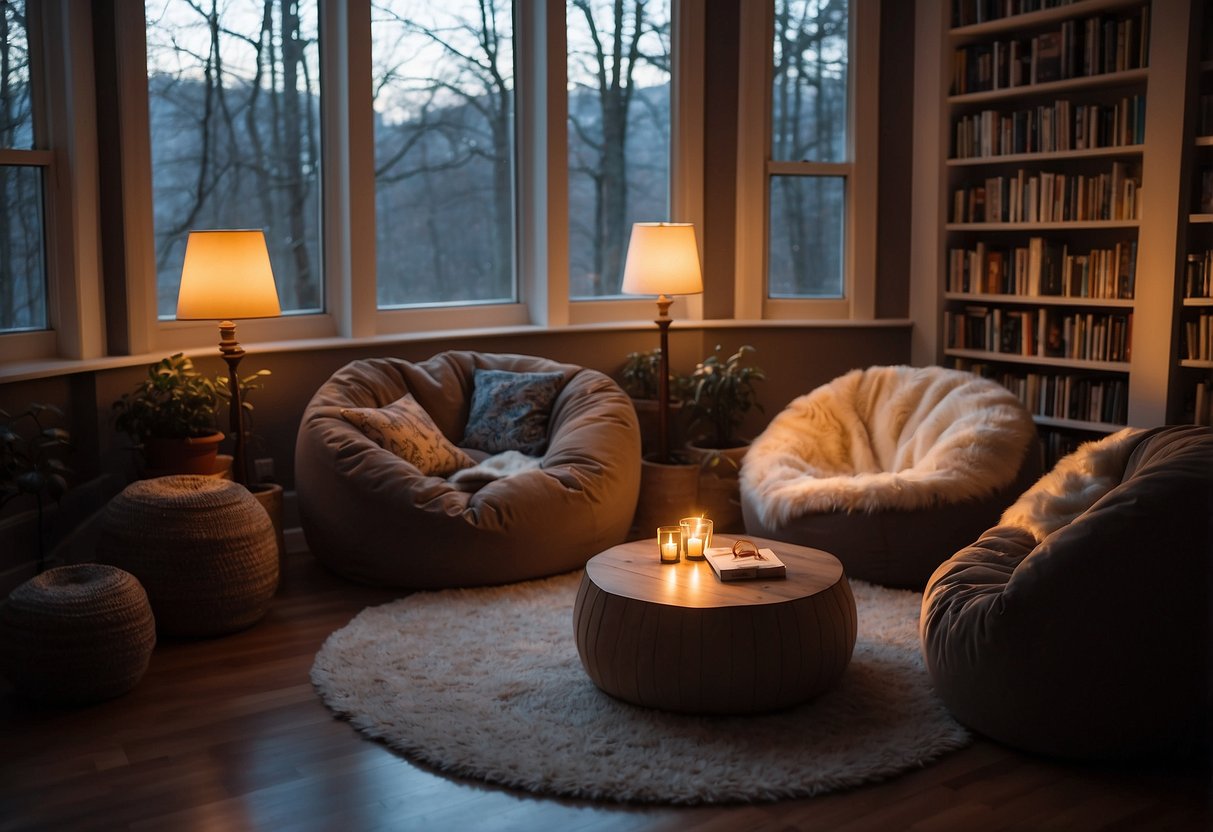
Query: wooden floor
227,734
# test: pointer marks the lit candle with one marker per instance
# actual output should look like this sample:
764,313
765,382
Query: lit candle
669,550
695,547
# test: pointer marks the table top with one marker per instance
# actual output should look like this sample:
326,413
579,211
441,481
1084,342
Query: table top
634,570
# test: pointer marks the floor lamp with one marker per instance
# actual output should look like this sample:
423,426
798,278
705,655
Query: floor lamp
226,277
663,260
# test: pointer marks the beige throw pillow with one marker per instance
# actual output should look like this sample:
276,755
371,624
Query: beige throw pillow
404,428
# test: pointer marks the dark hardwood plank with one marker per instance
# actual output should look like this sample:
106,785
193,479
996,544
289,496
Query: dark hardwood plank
227,734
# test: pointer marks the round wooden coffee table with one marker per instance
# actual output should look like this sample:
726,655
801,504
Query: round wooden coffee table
672,636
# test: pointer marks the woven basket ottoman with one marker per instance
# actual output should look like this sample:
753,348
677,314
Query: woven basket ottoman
203,548
76,634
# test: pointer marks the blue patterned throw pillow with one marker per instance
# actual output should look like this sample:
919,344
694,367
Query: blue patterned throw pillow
510,411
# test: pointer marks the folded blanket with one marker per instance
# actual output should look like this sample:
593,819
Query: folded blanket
499,466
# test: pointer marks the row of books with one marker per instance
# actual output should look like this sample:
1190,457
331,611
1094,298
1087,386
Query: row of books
1198,275
1083,398
969,12
1046,196
1048,128
1198,337
1204,117
1043,332
1044,268
1058,396
1077,49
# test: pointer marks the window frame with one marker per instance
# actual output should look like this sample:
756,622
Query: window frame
146,332
756,169
62,79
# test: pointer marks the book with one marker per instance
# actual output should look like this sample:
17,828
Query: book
730,568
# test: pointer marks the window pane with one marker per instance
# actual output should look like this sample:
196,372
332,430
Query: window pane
443,86
809,90
619,134
804,253
16,113
22,269
22,264
235,133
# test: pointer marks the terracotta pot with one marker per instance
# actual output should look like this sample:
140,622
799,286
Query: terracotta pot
719,489
191,455
668,492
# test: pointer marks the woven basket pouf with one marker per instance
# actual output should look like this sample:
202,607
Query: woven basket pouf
203,548
76,634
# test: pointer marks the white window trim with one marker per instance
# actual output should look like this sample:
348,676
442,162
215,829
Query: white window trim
62,47
755,168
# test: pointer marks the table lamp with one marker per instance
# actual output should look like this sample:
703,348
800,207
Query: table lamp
227,276
663,260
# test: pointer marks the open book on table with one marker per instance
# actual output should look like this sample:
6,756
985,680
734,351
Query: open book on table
731,568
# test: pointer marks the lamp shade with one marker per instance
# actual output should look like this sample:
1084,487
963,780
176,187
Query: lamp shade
226,276
662,260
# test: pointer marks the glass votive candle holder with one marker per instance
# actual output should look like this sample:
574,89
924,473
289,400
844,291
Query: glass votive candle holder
669,543
696,536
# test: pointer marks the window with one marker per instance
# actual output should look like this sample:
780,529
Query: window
808,127
443,90
618,134
234,113
803,175
23,282
430,203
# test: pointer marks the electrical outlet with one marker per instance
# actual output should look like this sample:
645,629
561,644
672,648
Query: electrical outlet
263,469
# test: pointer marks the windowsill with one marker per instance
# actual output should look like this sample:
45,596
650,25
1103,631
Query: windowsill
51,367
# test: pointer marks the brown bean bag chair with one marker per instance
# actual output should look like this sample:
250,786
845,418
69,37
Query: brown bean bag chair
370,515
890,469
1080,625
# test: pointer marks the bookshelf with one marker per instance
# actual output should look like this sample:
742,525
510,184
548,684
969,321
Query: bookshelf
1046,243
1193,400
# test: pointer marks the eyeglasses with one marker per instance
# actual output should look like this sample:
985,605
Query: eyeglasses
743,548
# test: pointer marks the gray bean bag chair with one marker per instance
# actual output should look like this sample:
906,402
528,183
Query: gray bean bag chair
375,517
890,469
1079,626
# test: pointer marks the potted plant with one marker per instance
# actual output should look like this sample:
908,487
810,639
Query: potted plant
171,416
30,461
718,395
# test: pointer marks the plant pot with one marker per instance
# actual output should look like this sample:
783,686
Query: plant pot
668,492
719,488
188,455
269,495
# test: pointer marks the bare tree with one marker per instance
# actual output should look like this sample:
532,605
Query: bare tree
614,56
464,115
237,146
808,124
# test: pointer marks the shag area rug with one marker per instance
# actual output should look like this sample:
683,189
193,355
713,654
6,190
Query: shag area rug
487,683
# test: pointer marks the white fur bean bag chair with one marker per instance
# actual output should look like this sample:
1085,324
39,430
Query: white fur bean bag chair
1080,625
891,469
